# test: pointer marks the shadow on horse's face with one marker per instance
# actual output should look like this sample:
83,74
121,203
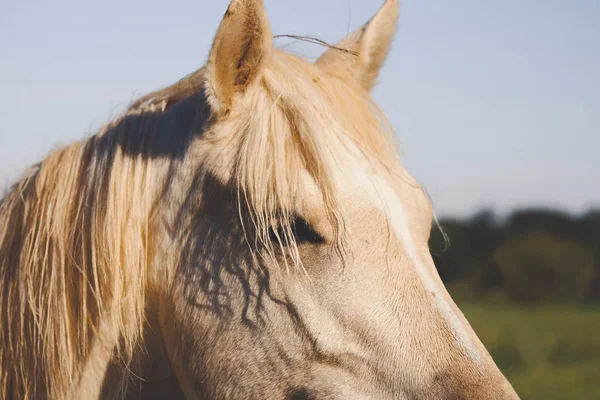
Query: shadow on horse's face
306,274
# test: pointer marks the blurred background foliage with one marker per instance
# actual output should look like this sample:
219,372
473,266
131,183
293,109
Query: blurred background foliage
529,284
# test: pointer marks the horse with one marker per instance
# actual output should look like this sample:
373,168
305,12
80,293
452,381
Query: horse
247,233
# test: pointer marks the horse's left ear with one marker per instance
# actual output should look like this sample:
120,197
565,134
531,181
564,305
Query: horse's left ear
364,51
242,44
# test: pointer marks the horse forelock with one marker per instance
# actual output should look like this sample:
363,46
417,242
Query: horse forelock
299,124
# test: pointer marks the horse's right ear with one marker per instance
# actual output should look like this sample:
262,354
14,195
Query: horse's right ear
241,45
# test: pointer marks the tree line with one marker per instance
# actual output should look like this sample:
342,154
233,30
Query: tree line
530,256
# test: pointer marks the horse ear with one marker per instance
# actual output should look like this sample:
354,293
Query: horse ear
365,50
240,47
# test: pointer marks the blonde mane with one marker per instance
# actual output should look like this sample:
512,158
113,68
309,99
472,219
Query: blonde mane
73,252
75,231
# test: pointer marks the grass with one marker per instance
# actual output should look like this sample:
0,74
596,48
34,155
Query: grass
549,353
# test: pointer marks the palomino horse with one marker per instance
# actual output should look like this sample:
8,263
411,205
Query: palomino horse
248,233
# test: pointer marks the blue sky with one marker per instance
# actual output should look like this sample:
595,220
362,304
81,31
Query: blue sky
496,103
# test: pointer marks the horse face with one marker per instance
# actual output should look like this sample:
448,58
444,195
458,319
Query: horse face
373,323
307,273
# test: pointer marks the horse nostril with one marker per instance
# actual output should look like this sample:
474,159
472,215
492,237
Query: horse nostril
301,394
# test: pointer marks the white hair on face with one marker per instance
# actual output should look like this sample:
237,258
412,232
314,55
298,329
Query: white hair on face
388,201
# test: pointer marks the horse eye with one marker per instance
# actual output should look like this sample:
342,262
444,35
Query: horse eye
303,233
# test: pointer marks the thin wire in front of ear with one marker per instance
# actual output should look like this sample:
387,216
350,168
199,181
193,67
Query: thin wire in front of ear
315,40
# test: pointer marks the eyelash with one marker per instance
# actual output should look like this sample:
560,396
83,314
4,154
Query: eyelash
303,233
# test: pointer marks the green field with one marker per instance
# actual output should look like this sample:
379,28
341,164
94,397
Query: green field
547,353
